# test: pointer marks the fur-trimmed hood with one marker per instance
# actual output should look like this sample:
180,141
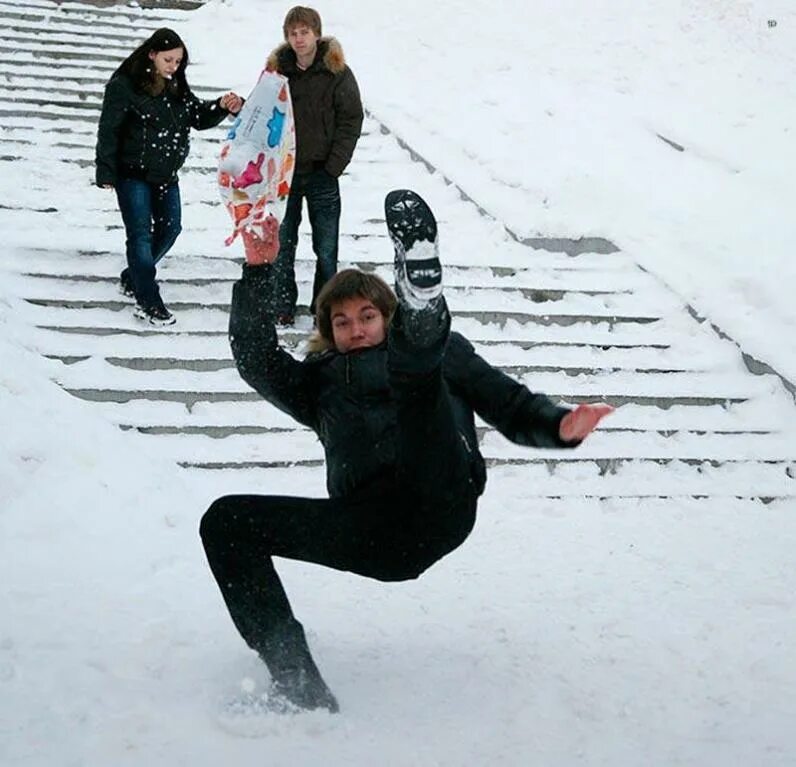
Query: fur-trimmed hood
283,60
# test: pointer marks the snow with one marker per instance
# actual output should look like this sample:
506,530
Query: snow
569,631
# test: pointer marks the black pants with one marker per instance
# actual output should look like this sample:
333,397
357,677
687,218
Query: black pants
391,532
322,193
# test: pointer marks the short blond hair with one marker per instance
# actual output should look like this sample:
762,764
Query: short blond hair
301,15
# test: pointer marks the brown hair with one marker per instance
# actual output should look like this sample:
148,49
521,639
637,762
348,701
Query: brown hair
349,283
301,15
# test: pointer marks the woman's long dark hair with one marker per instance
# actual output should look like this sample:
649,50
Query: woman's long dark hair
141,69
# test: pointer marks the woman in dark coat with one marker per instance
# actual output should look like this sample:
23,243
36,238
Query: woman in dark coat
391,395
142,141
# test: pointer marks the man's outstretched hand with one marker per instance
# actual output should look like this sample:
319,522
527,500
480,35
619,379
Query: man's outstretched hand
580,422
262,250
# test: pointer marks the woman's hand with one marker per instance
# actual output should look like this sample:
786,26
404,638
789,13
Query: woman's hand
580,422
231,102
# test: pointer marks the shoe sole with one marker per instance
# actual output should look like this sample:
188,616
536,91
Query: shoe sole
409,219
140,314
413,231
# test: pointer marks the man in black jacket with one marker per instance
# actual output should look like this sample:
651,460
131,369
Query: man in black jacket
328,115
391,394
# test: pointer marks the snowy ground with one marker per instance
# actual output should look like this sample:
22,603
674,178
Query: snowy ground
572,632
569,632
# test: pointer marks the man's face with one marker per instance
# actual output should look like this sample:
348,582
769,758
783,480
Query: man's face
302,40
357,324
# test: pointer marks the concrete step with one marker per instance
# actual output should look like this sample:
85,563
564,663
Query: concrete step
190,395
555,365
751,416
209,318
49,104
71,348
657,485
60,114
31,38
568,308
66,53
223,432
34,75
722,384
57,68
622,447
543,286
619,362
35,26
97,324
213,278
782,471
610,452
159,13
665,480
204,144
581,273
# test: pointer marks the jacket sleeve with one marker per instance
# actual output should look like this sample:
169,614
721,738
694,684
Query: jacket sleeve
348,116
520,415
115,107
205,114
261,362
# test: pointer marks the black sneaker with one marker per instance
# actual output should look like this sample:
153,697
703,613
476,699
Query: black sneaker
155,315
276,700
126,284
413,231
295,679
305,690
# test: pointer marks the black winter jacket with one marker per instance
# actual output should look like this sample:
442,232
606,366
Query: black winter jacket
346,398
145,136
327,108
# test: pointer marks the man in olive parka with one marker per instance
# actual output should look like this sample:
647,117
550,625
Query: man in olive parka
328,115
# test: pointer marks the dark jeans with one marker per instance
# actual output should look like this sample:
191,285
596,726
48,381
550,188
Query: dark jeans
152,220
391,532
322,193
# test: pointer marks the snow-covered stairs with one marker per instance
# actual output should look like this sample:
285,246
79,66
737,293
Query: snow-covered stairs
693,421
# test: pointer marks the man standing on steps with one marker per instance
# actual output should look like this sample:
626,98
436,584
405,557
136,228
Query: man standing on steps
328,114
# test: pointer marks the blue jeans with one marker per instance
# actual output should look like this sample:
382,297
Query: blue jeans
152,220
322,192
